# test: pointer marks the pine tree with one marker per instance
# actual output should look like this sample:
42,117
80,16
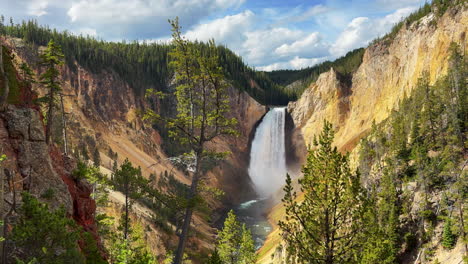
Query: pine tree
325,226
27,74
51,59
448,237
215,258
130,182
229,240
96,158
247,247
4,75
48,236
382,222
235,244
202,109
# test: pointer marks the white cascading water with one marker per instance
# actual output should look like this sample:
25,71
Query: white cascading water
267,168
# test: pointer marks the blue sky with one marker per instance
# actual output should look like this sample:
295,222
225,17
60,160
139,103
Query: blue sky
269,35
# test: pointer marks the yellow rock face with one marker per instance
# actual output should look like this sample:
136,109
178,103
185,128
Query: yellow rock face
387,73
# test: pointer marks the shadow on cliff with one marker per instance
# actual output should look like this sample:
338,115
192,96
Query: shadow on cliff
296,149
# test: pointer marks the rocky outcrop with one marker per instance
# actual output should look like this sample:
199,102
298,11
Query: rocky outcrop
23,142
103,111
387,73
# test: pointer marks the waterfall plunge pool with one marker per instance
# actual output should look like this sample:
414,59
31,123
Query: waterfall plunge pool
253,214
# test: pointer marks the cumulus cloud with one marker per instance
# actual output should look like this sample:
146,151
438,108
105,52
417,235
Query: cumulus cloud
310,46
38,8
143,17
274,46
229,29
294,63
361,30
267,35
261,44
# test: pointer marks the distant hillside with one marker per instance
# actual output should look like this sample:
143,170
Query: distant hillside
145,65
296,81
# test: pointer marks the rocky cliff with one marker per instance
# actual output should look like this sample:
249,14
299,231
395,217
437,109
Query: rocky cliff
389,71
103,113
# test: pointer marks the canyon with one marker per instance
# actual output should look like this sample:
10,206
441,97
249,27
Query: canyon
105,113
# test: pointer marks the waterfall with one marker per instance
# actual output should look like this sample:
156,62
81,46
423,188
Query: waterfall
267,168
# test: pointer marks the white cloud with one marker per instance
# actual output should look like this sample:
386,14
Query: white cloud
310,46
37,8
274,37
260,45
273,46
361,30
142,18
300,63
294,63
121,11
229,29
311,12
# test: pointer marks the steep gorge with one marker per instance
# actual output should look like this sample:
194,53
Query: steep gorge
103,112
389,71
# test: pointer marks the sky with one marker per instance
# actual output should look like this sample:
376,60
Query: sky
269,35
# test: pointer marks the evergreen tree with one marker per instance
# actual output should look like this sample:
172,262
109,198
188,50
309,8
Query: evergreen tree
215,258
96,158
235,244
4,76
448,237
247,247
51,59
325,226
48,236
202,109
27,74
382,222
130,182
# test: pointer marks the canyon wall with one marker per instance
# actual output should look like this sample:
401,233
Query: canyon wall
104,112
389,71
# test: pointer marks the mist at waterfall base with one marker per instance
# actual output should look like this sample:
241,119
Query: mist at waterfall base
267,170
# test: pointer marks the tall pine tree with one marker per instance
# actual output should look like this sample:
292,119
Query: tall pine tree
52,58
325,226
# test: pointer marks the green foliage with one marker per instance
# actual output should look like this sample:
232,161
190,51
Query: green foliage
98,180
131,183
27,74
448,237
323,227
235,244
51,59
10,70
438,7
130,250
96,158
345,66
48,194
215,258
424,141
91,250
48,236
145,65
